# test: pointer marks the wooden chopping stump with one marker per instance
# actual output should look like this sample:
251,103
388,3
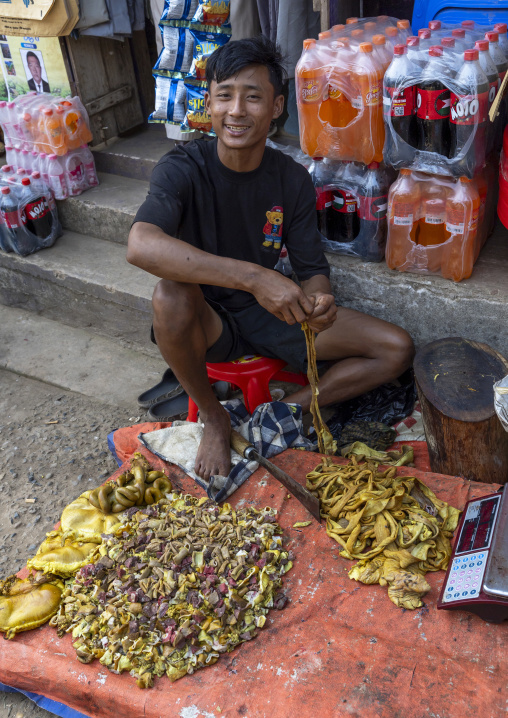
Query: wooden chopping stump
454,379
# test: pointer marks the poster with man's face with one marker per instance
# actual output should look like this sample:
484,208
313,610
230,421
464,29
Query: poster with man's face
35,71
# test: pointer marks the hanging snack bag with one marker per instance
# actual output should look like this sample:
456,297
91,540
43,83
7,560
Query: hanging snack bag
169,100
176,53
212,12
196,117
179,10
204,44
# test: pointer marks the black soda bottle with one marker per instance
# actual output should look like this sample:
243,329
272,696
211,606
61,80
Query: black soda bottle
372,207
37,212
399,109
12,222
433,107
468,117
344,207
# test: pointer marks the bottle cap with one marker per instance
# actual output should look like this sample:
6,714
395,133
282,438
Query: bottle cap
373,166
6,190
470,55
43,155
405,171
52,157
357,33
365,47
403,24
369,26
379,40
435,51
24,152
382,18
459,32
3,104
468,23
326,35
21,171
351,20
308,43
413,41
83,146
391,31
60,110
338,28
448,42
465,179
492,36
48,111
482,45
399,49
501,27
7,168
424,33
36,175
435,25
25,181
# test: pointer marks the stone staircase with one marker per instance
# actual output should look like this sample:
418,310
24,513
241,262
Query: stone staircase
77,311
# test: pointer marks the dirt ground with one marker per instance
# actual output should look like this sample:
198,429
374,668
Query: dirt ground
53,445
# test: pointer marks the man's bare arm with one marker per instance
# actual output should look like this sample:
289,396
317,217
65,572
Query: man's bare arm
153,250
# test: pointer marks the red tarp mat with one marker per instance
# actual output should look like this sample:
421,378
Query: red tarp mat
339,648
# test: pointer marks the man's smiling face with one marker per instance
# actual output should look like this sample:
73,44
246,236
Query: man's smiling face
243,106
35,68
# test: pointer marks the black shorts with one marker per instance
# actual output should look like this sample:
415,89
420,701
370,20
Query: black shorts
255,331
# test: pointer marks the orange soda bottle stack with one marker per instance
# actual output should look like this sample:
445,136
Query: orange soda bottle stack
462,225
312,92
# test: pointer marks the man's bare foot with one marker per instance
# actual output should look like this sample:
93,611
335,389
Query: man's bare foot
214,453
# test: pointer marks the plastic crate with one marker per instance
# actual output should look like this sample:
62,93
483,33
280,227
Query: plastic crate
486,13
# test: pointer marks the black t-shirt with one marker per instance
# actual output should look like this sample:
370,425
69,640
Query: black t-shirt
242,215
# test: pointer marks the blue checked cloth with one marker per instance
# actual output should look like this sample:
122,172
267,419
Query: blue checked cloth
271,429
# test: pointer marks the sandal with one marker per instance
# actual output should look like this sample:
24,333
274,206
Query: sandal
177,407
168,387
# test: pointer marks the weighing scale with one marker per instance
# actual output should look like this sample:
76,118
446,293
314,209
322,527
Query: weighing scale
477,576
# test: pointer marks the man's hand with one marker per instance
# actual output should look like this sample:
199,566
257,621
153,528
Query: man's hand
324,313
283,298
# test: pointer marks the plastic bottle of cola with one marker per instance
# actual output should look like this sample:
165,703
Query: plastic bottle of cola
433,107
399,108
39,220
468,116
372,210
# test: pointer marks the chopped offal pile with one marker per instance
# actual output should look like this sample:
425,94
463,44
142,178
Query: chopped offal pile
177,584
395,526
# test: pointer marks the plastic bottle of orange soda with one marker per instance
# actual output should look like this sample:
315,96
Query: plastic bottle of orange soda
312,92
75,127
367,133
380,51
432,224
54,131
404,211
462,209
338,108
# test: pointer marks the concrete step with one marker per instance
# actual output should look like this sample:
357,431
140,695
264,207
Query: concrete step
430,307
134,156
75,359
106,211
83,282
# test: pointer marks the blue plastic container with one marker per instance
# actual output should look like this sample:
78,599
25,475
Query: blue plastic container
486,13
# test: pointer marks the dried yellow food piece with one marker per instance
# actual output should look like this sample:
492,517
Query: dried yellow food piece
25,604
395,526
86,521
301,524
62,556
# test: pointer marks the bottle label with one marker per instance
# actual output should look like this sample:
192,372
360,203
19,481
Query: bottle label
469,109
357,102
434,219
455,227
432,104
324,197
492,91
372,208
374,95
399,103
473,224
37,209
405,220
12,218
313,91
344,201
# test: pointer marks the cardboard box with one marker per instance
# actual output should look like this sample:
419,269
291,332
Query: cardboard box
25,61
41,18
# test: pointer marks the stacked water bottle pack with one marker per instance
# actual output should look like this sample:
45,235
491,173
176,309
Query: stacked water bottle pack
49,135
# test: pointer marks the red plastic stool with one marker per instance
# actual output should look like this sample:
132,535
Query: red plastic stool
251,374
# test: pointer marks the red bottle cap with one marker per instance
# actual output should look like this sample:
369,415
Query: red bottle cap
482,45
7,168
5,190
373,166
399,49
413,41
448,42
21,171
435,51
48,112
492,36
459,33
424,33
435,24
501,27
25,181
36,175
468,23
470,55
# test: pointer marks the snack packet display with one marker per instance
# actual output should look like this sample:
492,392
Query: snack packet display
178,10
196,117
169,100
212,12
176,53
351,206
433,224
204,44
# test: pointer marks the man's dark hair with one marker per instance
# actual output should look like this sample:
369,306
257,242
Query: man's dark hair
228,60
32,54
